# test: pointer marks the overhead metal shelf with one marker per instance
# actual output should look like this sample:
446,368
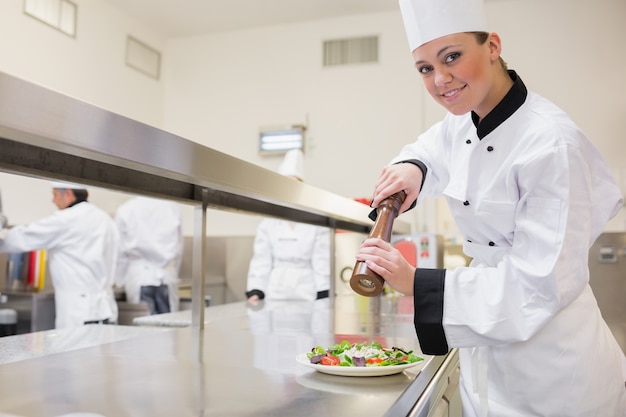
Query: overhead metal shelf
47,134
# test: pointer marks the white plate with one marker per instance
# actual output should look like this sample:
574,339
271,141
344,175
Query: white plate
356,370
388,385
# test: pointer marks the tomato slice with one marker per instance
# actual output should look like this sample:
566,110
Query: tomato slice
330,360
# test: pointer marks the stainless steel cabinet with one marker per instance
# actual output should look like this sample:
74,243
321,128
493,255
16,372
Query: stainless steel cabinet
607,269
437,391
35,310
447,399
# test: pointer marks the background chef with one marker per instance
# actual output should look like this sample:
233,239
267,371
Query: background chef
151,251
81,243
290,261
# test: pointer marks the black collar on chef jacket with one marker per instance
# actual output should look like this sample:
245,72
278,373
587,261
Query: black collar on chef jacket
77,201
512,101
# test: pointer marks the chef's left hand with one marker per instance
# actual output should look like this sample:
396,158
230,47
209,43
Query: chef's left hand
381,257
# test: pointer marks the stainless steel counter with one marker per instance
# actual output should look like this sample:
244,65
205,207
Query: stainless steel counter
183,318
247,366
50,342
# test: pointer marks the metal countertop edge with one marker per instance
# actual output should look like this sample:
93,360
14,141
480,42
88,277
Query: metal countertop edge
416,400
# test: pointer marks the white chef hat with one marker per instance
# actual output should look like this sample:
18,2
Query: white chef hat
425,20
293,164
67,185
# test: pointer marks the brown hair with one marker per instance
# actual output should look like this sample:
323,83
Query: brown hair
481,38
81,195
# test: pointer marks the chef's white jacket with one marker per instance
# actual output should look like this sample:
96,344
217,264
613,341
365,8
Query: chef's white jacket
151,246
290,261
81,244
530,194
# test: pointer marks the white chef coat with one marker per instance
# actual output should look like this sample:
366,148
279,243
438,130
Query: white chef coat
290,261
530,199
151,246
81,244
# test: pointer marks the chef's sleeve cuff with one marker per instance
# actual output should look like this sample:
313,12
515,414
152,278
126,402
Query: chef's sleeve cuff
322,294
428,290
418,164
260,293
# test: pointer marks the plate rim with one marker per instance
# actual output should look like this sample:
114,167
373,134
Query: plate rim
355,371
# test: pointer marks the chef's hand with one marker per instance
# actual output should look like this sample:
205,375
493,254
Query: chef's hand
399,177
382,258
255,303
3,233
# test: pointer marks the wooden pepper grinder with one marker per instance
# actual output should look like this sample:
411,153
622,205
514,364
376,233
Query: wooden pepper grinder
365,281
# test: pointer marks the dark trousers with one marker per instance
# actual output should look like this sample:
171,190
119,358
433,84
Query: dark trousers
156,297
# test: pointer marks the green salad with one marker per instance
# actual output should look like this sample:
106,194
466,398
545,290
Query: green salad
361,354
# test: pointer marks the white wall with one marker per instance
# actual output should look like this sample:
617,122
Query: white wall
222,88
219,89
90,67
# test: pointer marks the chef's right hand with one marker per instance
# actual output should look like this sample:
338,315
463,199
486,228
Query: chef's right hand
3,233
405,177
385,260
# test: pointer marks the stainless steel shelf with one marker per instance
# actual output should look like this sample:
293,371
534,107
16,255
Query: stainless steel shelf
47,134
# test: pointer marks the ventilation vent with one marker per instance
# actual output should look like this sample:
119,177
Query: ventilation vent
60,14
143,58
350,51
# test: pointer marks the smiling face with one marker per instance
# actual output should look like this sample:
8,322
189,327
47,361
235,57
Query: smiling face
463,75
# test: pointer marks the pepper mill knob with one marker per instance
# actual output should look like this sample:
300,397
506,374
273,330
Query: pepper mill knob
364,281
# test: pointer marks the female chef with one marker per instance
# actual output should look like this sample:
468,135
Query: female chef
530,194
81,243
290,261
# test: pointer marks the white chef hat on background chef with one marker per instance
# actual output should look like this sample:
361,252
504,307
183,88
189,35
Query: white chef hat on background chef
293,164
67,185
425,20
